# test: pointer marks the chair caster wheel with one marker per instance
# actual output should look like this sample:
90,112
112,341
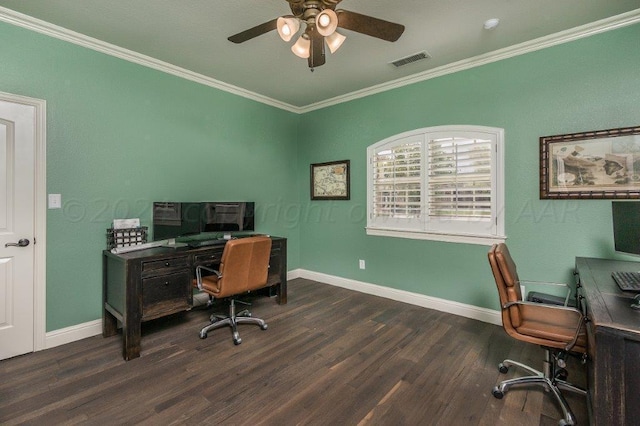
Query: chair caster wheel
503,368
203,335
237,341
264,327
497,393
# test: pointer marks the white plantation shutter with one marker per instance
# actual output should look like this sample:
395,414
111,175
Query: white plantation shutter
459,184
439,180
397,183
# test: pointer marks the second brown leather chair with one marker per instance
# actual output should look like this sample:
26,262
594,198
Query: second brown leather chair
244,267
558,329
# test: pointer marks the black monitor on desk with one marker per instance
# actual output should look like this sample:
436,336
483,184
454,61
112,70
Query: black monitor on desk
626,226
626,238
228,216
192,220
172,220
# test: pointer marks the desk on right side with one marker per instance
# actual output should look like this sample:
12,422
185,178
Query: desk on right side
613,331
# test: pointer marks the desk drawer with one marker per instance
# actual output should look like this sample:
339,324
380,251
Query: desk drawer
173,262
207,258
166,294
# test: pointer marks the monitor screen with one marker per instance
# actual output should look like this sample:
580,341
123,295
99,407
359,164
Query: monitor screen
172,220
626,226
176,219
228,216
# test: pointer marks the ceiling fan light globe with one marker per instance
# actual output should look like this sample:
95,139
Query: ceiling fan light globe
302,47
287,27
334,41
326,22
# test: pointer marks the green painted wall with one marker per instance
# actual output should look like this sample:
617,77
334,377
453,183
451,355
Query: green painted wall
589,84
120,136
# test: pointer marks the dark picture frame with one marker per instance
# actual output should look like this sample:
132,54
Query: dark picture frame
331,180
603,164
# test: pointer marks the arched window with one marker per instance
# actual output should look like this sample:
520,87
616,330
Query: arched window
439,183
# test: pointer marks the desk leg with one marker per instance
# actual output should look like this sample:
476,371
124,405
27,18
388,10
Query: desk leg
282,287
282,292
131,336
109,321
109,324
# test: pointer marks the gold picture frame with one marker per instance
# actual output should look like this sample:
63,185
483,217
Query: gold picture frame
330,181
603,164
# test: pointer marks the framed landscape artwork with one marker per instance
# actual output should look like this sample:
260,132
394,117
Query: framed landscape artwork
330,181
603,164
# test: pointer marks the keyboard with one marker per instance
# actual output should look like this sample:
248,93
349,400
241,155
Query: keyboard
206,243
627,281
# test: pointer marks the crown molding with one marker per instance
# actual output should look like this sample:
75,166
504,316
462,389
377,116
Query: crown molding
25,21
583,31
21,20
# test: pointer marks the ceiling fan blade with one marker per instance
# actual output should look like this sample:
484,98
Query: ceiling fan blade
256,31
317,56
369,25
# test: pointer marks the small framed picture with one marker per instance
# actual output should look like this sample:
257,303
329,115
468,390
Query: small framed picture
330,181
602,164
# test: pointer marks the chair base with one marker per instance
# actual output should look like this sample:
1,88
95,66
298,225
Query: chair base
549,379
243,317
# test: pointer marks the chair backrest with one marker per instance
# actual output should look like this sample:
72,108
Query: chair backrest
244,265
508,283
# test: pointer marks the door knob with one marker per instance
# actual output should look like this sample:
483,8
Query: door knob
22,243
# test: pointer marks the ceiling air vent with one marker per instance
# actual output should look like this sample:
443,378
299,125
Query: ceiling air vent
410,59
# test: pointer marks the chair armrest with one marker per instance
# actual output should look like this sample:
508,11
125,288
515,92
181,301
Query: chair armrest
199,274
551,284
542,305
545,283
573,341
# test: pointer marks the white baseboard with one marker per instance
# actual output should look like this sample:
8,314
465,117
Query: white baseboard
296,273
94,328
468,311
73,333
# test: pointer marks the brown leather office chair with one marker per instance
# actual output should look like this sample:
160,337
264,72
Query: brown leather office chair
558,329
243,268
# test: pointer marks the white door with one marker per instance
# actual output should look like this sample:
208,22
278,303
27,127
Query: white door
17,218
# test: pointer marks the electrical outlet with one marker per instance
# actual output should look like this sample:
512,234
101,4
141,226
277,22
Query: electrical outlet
361,263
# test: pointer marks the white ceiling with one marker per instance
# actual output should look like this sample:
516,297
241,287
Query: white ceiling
192,35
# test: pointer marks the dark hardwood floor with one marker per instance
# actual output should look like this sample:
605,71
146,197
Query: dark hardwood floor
329,357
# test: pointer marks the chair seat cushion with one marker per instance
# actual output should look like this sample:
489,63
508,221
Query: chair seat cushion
209,284
554,325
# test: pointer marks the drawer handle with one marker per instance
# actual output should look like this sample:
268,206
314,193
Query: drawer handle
167,264
166,283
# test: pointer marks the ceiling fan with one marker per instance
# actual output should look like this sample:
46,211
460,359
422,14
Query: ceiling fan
321,19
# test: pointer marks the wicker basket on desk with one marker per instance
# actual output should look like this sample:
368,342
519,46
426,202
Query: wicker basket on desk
126,237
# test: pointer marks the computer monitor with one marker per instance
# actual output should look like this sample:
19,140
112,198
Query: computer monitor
626,226
173,220
228,216
178,219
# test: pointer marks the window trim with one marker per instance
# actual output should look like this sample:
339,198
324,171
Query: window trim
425,234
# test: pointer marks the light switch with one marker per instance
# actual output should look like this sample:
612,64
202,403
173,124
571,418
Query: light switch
55,201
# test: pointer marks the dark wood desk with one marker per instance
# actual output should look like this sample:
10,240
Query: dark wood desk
146,284
613,330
